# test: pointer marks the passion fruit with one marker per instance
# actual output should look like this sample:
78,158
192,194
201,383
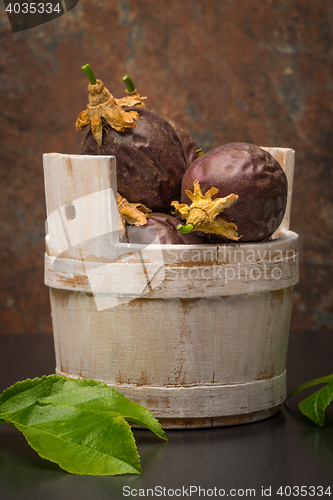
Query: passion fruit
250,173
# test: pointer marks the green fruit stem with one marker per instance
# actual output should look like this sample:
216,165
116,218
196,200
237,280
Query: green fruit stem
185,229
89,72
129,83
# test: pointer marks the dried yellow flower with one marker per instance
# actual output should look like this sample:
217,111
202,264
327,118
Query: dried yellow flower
105,110
203,213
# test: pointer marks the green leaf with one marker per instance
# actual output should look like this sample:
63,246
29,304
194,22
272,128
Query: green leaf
314,406
82,425
311,383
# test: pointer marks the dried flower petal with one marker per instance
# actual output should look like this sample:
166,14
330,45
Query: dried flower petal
132,99
132,213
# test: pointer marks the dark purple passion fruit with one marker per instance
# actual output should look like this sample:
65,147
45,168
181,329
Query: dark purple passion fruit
150,159
249,172
165,227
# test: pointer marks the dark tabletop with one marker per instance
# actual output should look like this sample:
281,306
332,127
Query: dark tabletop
252,460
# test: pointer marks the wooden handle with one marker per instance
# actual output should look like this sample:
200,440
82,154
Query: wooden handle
81,203
286,158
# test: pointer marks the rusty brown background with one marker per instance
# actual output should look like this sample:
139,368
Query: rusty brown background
256,71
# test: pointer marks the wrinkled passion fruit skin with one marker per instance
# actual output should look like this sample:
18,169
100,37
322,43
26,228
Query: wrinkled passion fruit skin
165,227
150,160
189,144
251,173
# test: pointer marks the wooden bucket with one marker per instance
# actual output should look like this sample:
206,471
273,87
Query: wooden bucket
196,333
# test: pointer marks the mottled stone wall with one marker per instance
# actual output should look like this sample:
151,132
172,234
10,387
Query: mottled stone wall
256,71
